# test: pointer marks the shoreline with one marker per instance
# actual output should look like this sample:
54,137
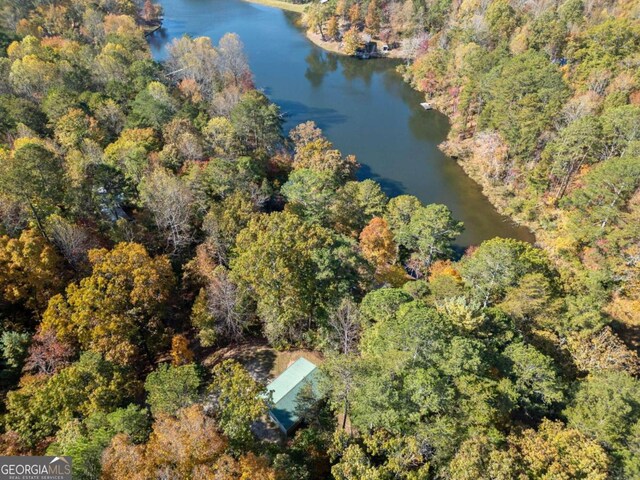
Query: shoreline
315,38
457,151
282,5
334,47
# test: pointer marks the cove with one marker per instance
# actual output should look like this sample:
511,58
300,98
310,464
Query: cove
363,106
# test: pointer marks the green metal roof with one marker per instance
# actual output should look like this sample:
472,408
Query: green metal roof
285,390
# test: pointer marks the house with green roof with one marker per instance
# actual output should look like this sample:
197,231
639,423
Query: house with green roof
285,389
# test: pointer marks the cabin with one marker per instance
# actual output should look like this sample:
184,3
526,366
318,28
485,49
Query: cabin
368,50
285,389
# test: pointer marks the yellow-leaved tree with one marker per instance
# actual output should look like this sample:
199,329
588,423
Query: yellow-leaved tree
31,271
118,309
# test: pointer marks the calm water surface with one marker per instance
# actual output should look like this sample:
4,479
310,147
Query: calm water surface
363,107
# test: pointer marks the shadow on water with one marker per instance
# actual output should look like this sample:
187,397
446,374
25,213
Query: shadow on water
458,251
392,188
158,39
298,112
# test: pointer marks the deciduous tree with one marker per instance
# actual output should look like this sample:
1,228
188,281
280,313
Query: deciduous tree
345,325
117,309
333,28
521,104
171,205
32,173
535,379
170,388
47,354
224,221
238,400
31,271
351,40
181,354
603,351
226,309
257,122
295,271
372,19
605,406
498,264
42,405
233,62
377,243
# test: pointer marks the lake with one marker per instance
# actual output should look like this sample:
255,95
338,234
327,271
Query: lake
363,106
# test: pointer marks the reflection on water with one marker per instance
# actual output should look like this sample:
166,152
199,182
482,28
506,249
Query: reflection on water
319,66
363,107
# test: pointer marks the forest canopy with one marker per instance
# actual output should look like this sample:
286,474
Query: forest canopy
155,218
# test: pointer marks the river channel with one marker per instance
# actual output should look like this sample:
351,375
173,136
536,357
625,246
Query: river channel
363,106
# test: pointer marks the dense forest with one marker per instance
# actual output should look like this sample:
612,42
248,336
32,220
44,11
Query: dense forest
544,99
155,216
